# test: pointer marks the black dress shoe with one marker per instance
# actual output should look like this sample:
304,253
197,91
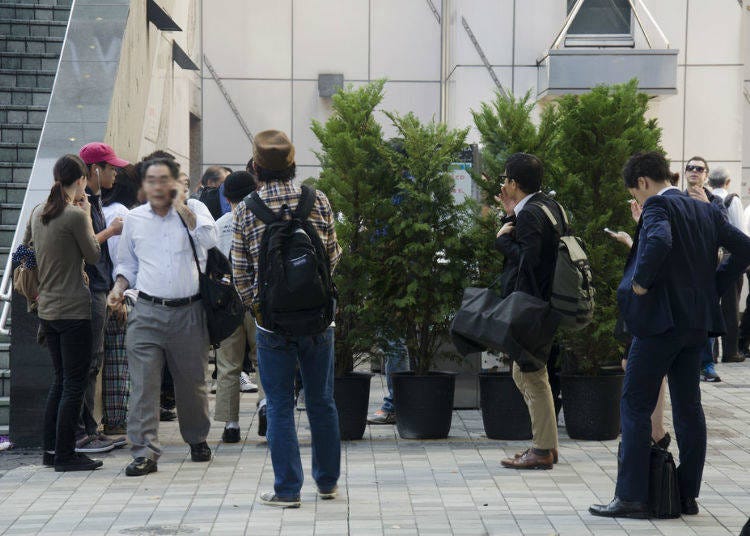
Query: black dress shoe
619,508
79,462
262,421
200,452
231,435
689,506
141,466
736,358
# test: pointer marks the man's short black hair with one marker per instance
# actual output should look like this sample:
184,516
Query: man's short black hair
174,168
700,159
212,174
651,164
158,154
526,170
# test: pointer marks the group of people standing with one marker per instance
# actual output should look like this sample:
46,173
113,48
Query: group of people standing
141,259
131,272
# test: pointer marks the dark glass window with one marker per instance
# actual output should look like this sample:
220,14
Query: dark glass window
597,17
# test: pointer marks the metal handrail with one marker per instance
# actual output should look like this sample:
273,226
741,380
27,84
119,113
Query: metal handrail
6,293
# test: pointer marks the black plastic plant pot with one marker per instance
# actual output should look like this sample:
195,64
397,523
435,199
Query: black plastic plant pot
504,411
592,405
352,395
424,404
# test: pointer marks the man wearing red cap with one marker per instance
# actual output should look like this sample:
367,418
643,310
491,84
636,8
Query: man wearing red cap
102,163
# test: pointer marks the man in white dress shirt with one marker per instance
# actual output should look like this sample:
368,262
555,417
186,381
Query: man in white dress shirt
719,181
168,321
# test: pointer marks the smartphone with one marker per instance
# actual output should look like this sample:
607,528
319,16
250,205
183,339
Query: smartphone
173,194
609,231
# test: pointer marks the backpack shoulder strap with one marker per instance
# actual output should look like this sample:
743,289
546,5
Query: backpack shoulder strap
561,227
258,207
728,200
305,204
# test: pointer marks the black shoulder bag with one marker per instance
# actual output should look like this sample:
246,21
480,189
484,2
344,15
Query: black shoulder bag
222,302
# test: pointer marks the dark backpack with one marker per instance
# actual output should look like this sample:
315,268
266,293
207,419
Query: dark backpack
296,295
572,281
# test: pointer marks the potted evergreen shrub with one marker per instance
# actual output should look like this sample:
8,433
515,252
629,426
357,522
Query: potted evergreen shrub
506,127
598,131
353,170
422,270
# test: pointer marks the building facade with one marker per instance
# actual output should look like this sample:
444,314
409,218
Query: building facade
269,56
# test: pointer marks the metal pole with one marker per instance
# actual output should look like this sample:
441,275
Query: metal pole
229,100
568,21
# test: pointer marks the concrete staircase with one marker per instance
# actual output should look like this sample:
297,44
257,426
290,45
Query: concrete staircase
31,39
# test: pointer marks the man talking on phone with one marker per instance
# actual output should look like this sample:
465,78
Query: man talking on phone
168,322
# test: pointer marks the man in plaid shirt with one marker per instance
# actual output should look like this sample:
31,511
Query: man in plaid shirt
278,355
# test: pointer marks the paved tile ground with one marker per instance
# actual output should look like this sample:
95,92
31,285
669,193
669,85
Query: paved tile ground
388,486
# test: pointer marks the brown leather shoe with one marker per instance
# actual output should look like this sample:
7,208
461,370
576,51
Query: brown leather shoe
555,456
529,460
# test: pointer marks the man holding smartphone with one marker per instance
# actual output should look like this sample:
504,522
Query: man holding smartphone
168,322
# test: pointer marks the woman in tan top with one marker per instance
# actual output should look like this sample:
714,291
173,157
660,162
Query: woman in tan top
63,238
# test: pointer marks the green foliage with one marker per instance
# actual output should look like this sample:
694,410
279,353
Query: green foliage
598,132
506,126
354,172
422,257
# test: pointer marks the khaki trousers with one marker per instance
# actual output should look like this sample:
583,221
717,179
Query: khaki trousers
229,358
534,387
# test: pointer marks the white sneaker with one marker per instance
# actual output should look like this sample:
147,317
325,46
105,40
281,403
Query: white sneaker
246,386
301,400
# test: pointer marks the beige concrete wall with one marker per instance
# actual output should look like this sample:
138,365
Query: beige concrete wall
153,96
269,55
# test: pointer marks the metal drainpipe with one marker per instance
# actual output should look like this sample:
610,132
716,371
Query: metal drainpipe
444,58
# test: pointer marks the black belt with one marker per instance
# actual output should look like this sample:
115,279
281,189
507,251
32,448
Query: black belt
169,302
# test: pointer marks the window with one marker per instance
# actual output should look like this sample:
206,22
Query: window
601,23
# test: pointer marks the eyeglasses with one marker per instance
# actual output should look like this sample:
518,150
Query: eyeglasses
699,169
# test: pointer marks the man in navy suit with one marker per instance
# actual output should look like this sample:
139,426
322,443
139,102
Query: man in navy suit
669,299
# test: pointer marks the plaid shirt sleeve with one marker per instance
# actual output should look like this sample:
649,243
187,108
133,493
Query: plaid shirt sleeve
243,267
327,229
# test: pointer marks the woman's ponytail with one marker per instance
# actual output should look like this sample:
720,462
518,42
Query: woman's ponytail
67,170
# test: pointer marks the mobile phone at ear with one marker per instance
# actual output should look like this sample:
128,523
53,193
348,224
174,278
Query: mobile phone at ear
173,194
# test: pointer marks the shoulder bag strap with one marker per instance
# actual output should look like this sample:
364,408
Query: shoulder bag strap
192,243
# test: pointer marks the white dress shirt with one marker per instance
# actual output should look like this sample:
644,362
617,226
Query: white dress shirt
225,230
112,211
734,211
154,253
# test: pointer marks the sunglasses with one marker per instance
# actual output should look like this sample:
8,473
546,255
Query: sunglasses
699,169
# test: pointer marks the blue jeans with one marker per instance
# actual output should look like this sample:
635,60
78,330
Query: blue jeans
396,360
277,362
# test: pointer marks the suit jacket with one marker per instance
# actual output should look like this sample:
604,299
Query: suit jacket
674,256
535,241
